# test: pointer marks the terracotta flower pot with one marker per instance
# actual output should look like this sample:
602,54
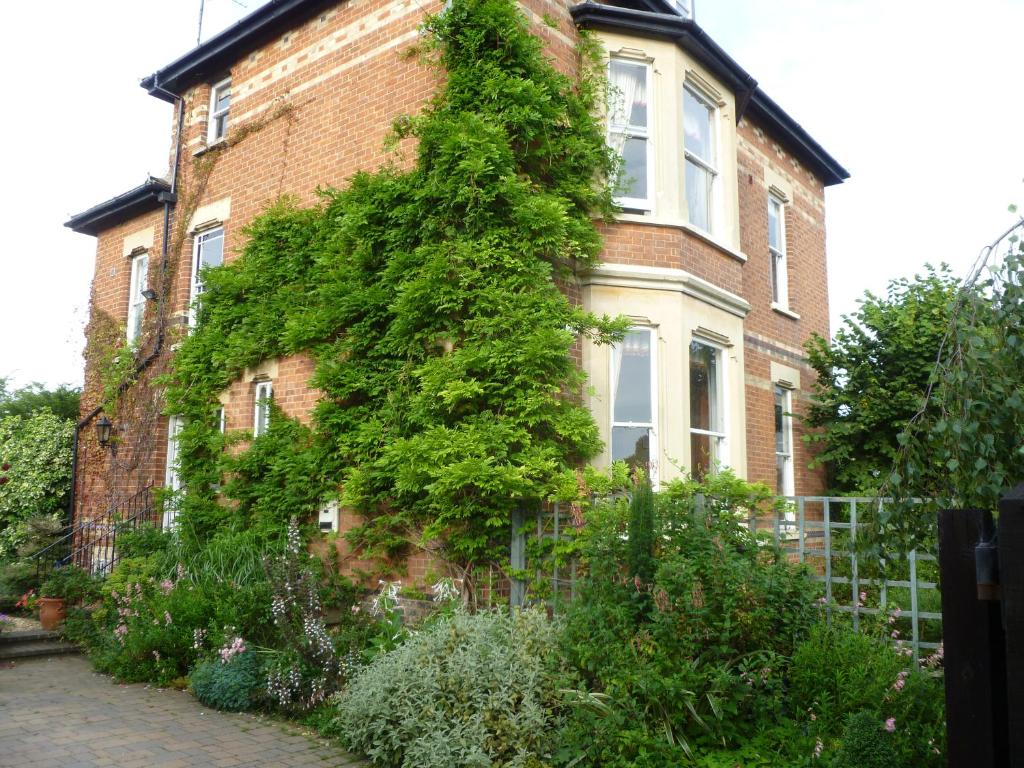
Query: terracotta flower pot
51,612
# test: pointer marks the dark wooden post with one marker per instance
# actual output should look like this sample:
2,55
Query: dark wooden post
973,642
1011,580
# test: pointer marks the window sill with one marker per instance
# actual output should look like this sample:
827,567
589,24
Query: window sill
218,144
784,311
634,218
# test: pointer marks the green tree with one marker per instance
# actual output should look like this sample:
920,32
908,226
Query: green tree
873,377
62,401
35,472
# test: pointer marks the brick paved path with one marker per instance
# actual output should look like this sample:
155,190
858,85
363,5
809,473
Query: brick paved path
57,712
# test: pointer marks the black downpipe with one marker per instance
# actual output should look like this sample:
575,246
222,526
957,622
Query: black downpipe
169,200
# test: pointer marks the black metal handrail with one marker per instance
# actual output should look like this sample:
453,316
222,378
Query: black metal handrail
92,543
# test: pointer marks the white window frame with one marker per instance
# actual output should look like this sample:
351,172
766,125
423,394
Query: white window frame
720,439
707,164
199,239
138,282
788,475
652,426
262,398
628,131
212,133
222,419
172,472
778,266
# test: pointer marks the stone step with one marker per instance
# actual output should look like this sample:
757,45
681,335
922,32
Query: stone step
27,635
32,649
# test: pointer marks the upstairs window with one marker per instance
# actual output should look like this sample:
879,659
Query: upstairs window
707,416
628,132
261,413
138,283
777,251
700,150
220,102
634,401
207,251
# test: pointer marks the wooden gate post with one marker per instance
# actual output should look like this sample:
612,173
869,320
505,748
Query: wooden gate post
1011,580
972,632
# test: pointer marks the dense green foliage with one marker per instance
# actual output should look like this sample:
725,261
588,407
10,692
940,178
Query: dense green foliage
641,532
702,660
872,378
35,472
233,685
71,584
964,451
428,300
865,744
473,690
32,398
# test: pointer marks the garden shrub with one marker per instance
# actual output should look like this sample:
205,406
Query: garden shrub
837,672
706,663
233,685
467,690
866,744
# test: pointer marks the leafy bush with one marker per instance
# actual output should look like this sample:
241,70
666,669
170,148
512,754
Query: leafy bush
866,744
72,584
232,685
837,672
468,690
696,655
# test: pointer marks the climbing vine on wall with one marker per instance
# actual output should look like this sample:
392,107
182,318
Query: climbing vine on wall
429,301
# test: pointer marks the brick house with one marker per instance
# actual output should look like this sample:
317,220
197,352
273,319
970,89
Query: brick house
718,255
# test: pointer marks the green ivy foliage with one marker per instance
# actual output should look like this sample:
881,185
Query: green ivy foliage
429,301
872,378
35,472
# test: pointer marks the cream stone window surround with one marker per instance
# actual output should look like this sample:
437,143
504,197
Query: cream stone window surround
666,279
672,69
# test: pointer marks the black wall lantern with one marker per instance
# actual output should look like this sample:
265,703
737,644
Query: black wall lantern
103,427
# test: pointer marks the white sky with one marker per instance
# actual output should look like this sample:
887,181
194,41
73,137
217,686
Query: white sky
883,85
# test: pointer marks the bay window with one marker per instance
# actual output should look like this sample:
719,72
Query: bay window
629,132
634,401
707,414
700,151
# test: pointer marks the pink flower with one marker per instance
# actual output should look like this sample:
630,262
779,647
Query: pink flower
167,618
818,748
166,586
890,724
863,597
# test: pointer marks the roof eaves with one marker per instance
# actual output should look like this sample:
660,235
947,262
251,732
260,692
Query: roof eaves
217,54
144,198
695,41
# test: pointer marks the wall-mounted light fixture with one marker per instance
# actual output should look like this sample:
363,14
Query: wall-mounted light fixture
149,294
103,427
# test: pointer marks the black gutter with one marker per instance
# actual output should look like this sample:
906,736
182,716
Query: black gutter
767,111
749,98
144,198
215,57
